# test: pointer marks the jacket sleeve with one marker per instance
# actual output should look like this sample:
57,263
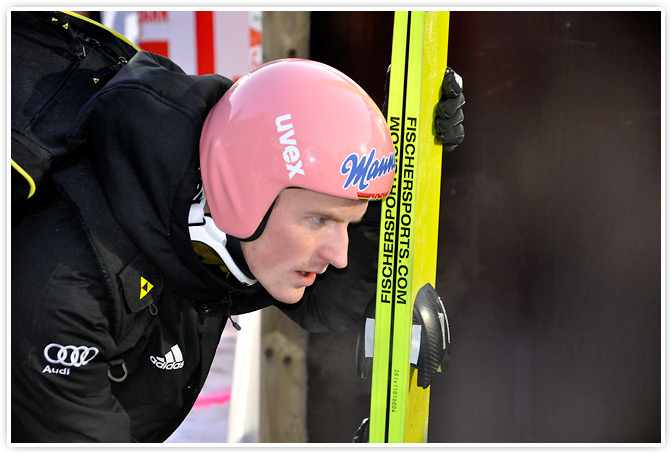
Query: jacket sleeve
338,299
60,340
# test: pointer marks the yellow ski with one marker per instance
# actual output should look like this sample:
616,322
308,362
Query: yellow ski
409,229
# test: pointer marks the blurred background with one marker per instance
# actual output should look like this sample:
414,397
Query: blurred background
550,230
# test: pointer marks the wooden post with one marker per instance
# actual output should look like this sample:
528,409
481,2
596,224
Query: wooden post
283,377
285,34
283,371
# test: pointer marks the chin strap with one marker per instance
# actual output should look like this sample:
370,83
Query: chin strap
202,229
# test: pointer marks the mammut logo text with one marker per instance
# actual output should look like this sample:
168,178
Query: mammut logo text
361,171
291,153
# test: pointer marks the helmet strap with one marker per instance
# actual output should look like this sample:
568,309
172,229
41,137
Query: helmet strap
260,229
203,229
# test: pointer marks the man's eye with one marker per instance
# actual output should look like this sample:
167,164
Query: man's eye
318,220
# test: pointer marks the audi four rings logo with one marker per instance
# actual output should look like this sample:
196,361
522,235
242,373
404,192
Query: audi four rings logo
69,355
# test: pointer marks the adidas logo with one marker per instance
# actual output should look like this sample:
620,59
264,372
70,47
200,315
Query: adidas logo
172,360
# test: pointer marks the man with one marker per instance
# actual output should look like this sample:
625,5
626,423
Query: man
193,200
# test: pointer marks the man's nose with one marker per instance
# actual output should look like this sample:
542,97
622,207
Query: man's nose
335,248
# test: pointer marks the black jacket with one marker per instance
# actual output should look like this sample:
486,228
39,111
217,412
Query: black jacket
121,356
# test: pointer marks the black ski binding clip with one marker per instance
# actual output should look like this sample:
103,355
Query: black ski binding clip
430,337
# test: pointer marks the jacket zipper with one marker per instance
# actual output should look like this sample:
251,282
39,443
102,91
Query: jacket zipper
227,302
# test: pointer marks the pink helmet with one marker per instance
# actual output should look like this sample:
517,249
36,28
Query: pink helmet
291,123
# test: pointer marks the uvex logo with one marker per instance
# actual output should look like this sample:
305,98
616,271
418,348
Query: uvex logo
291,153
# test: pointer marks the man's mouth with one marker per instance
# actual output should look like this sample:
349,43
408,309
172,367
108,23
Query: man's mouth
307,277
310,273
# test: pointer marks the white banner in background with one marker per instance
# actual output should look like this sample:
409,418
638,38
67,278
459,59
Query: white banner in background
200,42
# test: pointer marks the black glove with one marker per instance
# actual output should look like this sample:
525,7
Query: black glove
383,108
449,115
448,119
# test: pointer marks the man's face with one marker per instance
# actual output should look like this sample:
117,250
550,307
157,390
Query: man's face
305,233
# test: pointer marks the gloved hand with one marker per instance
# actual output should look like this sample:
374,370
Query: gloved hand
448,118
449,115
